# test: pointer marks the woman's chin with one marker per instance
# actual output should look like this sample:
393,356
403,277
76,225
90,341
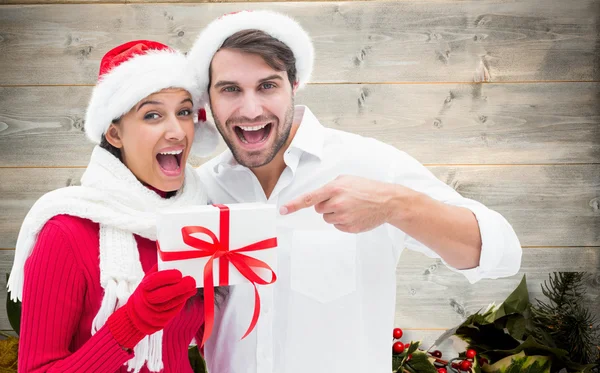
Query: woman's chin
169,185
166,183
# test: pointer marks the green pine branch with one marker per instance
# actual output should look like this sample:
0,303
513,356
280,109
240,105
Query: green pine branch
564,320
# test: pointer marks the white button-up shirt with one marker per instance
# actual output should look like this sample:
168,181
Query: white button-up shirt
332,307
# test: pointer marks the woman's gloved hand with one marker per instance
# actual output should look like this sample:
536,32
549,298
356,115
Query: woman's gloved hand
157,300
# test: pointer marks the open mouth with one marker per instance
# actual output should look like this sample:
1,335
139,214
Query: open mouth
253,135
170,162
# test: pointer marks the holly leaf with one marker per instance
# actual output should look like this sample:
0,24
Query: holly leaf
531,347
196,361
419,362
476,368
13,310
515,305
414,345
515,325
520,363
486,337
516,302
397,362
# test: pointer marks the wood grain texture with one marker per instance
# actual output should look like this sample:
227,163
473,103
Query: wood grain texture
407,41
431,296
547,205
20,188
43,126
437,124
47,2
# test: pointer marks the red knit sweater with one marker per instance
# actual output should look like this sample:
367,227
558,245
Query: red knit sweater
62,295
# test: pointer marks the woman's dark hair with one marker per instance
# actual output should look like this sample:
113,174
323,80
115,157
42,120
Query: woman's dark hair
104,144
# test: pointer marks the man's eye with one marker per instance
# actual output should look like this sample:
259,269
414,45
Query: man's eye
230,89
268,86
185,112
151,116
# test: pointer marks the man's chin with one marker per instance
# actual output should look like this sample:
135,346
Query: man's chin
252,159
253,163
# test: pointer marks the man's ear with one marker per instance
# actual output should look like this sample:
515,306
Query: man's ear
295,88
113,136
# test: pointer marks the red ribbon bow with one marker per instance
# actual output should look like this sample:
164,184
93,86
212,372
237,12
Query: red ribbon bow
219,249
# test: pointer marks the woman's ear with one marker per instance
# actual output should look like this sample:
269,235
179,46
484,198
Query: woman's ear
113,136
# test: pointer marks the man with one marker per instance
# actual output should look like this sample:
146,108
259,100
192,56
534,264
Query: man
349,205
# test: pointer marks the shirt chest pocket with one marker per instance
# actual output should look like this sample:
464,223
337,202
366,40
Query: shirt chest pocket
323,264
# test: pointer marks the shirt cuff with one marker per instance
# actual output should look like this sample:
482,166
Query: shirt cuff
500,248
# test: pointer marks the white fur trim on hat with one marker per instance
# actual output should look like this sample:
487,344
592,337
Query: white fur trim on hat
279,26
125,85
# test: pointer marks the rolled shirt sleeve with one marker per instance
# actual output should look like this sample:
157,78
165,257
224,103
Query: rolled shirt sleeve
500,251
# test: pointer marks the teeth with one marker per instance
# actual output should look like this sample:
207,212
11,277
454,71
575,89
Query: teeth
253,128
174,152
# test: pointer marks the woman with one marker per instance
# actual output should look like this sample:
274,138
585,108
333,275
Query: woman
85,261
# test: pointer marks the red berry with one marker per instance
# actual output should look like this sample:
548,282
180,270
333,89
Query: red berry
483,361
407,346
465,365
398,333
442,370
471,354
436,354
398,348
455,365
409,357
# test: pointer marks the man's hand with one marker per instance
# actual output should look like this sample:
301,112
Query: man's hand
352,204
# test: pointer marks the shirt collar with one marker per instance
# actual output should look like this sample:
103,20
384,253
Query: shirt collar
309,139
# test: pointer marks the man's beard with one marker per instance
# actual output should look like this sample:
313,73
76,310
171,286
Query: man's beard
283,133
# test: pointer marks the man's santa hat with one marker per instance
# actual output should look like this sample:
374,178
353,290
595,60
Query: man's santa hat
277,25
135,70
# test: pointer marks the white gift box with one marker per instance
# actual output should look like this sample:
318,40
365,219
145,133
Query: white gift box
249,223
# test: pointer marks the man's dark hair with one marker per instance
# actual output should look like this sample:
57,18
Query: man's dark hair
274,52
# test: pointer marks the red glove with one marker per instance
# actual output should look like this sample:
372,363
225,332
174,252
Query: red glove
156,301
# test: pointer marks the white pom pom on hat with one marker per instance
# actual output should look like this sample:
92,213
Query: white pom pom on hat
134,70
277,25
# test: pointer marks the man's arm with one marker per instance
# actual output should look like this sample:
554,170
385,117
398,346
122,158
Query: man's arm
451,231
437,219
354,204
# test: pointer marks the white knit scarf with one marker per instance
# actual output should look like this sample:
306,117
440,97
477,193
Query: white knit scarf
111,196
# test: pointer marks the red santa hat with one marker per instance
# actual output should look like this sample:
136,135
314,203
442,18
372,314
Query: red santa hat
135,70
277,25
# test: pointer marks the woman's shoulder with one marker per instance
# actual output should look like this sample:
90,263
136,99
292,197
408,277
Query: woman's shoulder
72,222
73,228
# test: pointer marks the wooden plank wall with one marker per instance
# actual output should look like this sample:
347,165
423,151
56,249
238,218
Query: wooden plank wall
500,100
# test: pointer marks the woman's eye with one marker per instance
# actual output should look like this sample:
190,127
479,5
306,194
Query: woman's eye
151,116
185,112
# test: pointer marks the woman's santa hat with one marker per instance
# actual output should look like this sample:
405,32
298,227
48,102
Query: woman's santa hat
277,25
135,70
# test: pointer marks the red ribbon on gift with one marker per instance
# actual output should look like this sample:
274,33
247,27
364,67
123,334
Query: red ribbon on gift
219,249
